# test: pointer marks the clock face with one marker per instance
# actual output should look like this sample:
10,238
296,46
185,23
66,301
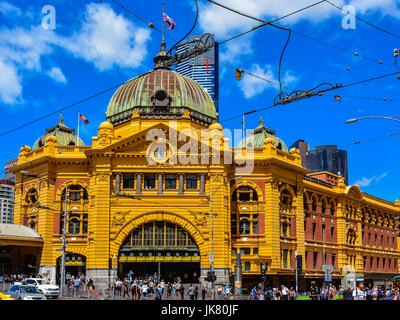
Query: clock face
160,154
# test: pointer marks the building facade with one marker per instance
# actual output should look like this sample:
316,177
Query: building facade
303,147
328,158
6,201
160,190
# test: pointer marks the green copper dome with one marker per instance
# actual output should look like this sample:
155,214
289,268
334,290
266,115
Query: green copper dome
65,136
165,89
257,136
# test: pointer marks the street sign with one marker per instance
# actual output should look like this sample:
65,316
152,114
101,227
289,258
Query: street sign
210,258
328,277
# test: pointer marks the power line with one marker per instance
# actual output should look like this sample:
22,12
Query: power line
309,94
294,31
365,21
64,108
370,140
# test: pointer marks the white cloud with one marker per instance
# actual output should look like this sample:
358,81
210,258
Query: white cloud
8,9
252,86
10,84
108,40
57,75
222,22
365,182
103,38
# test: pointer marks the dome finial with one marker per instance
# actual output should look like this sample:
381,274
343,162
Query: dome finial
261,120
60,119
162,56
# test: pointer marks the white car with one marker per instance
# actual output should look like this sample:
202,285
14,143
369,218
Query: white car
49,290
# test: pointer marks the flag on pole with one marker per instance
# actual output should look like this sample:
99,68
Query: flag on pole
81,117
171,23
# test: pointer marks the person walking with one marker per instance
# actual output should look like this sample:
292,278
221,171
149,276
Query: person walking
125,289
348,294
219,293
182,291
285,292
196,292
191,292
203,293
358,293
144,290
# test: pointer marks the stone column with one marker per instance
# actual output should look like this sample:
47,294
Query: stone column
117,182
203,184
181,183
139,183
160,183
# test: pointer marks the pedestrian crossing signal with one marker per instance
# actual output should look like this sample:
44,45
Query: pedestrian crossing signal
299,261
211,277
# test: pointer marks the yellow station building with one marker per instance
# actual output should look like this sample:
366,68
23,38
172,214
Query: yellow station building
143,193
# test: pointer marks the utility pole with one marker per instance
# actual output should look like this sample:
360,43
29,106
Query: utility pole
212,246
64,244
297,277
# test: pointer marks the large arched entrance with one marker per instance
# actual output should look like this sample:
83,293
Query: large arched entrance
160,247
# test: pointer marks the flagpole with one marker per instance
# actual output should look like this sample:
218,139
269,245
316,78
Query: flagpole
163,24
77,137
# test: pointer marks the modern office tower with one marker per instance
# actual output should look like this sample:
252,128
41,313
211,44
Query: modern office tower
6,201
203,68
9,176
328,158
303,147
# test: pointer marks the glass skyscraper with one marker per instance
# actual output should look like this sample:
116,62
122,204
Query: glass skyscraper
203,68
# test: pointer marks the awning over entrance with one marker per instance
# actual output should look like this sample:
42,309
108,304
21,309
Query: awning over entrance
18,235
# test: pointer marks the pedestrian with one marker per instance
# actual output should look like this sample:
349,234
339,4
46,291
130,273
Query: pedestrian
358,293
292,294
285,292
203,293
169,290
182,291
254,294
196,292
219,293
144,291
191,292
348,294
125,289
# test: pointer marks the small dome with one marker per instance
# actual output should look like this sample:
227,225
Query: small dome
215,126
106,125
257,136
65,136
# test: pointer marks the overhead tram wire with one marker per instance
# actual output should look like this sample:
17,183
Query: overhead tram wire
318,93
116,86
365,21
370,140
294,31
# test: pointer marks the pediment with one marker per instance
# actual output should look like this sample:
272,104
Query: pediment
137,144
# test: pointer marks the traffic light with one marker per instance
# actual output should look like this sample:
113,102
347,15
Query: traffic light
263,272
299,261
211,276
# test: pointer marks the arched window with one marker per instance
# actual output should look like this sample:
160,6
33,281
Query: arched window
77,217
244,194
314,204
244,226
32,196
351,237
286,197
74,226
71,143
323,206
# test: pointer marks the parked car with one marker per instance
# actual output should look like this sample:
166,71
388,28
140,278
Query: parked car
25,292
5,297
49,290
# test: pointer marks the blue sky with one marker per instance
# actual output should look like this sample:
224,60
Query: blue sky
96,45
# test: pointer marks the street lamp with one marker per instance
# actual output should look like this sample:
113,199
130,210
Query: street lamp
212,228
376,117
